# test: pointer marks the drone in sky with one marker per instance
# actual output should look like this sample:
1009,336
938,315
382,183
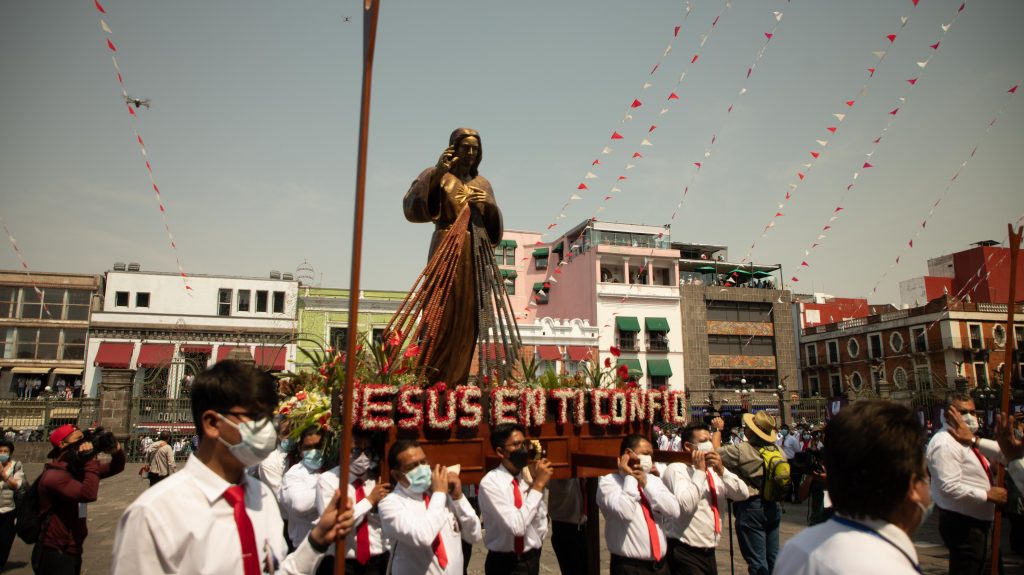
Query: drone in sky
137,102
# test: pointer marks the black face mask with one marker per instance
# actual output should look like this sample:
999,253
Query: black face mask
519,458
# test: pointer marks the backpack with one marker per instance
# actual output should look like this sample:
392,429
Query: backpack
777,481
29,523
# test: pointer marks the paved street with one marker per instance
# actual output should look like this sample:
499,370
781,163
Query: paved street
117,492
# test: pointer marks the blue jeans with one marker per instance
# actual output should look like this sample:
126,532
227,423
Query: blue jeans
757,529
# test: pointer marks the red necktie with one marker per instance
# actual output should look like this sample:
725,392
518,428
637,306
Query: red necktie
437,545
235,496
984,464
714,502
517,497
363,531
652,529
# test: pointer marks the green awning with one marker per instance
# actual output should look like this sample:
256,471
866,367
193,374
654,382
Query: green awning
538,286
634,366
659,368
705,269
739,271
507,244
542,252
559,248
656,324
627,323
508,273
761,274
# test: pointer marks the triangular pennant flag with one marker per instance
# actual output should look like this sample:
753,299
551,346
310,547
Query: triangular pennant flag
878,139
893,112
805,264
590,176
673,96
935,46
646,142
652,128
616,136
945,27
647,85
627,117
606,150
922,64
730,109
800,175
879,54
636,104
822,143
788,196
103,24
111,45
849,103
815,155
637,155
911,243
778,214
768,35
840,117
614,190
903,19
961,8
821,237
1013,90
668,50
831,129
663,112
793,186
582,186
912,81
838,209
717,17
697,164
676,34
655,69
749,72
630,166
794,278
826,228
695,56
743,91
871,72
606,198
595,163
778,16
620,178
99,6
891,37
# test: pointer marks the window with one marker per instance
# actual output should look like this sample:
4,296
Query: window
833,351
30,304
378,335
740,345
919,339
541,292
261,301
815,385
8,301
981,374
49,338
658,381
896,342
541,262
856,381
657,341
8,344
279,302
627,340
852,347
243,299
545,366
339,338
26,342
510,286
78,304
224,302
812,354
974,332
121,299
74,344
999,336
54,301
877,375
899,377
739,311
875,348
142,299
1018,337
836,384
510,255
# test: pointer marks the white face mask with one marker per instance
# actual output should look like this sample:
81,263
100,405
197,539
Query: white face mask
705,446
360,465
646,463
259,439
971,421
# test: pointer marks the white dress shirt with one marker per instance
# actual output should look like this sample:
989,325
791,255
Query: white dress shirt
696,523
625,527
959,482
791,446
832,548
411,527
1016,471
504,522
184,525
663,443
676,444
271,470
326,485
298,501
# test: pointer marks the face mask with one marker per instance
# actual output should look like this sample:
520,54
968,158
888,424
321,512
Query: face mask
784,432
705,446
419,479
313,459
926,512
646,463
259,439
519,458
971,421
286,445
4,457
807,436
360,465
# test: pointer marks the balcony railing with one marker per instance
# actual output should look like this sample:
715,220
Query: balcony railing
657,346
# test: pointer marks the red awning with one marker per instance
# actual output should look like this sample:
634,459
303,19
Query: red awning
224,350
114,354
271,357
578,352
188,348
155,354
549,352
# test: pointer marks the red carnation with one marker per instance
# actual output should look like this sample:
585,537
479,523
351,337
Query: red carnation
623,372
615,351
411,351
300,395
607,362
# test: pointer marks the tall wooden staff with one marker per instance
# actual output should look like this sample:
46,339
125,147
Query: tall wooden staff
370,10
1004,407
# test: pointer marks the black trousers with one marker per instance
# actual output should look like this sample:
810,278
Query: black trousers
625,566
154,478
968,541
50,561
6,536
377,565
499,563
683,558
570,544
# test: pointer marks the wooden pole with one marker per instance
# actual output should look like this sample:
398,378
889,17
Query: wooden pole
1004,405
370,11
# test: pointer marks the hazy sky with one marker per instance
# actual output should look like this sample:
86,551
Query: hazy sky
252,132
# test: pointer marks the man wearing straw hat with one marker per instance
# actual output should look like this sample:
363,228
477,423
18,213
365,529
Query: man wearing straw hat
757,519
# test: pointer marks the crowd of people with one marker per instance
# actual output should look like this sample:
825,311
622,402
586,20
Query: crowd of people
33,387
258,497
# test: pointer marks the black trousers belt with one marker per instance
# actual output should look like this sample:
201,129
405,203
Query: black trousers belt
698,550
512,555
639,562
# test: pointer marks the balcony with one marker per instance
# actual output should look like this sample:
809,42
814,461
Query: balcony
637,290
657,346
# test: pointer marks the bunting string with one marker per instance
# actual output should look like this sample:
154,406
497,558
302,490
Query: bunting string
112,48
867,164
24,266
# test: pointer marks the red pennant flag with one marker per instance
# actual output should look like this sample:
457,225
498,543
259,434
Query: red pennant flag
787,195
911,243
831,129
148,167
867,165
582,187
794,279
800,175
850,187
915,2
139,138
912,81
805,264
961,9
749,72
826,228
891,37
897,259
768,35
924,224
730,108
636,104
156,189
551,226
935,46
815,155
99,6
673,96
637,155
695,56
595,163
697,164
655,69
606,198
1013,90
111,45
120,80
676,34
871,72
162,207
893,111
130,111
620,178
652,128
616,136
878,139
849,103
557,271
814,246
837,210
717,17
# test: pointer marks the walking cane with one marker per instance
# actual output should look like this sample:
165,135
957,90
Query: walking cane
732,565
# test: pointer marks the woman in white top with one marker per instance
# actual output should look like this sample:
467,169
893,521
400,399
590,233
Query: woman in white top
298,487
12,476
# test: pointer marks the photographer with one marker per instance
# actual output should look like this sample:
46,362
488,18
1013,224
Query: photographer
815,488
67,483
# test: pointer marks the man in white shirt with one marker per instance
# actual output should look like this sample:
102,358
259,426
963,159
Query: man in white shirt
676,443
791,443
703,490
513,509
878,482
366,552
209,517
962,487
271,469
663,441
298,487
634,503
426,517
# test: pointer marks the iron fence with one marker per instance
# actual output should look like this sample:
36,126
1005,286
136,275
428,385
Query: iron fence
34,419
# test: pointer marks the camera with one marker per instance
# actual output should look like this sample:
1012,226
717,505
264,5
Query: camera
101,439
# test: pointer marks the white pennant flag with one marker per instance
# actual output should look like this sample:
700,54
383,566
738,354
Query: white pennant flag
116,67
600,209
945,27
647,85
627,118
778,16
793,186
808,166
856,175
630,166
807,252
606,150
771,224
575,197
707,154
590,176
106,28
824,143
922,64
681,76
903,19
689,7
703,38
833,218
614,190
667,51
840,117
561,217
879,54
646,142
743,91
822,236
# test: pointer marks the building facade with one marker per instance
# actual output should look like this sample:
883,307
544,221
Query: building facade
43,333
323,315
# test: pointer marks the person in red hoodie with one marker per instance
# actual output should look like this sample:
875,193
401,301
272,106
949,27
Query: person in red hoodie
68,482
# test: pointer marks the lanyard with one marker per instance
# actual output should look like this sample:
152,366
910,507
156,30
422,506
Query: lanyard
864,528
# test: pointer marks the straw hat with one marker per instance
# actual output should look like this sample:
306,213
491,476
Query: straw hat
761,424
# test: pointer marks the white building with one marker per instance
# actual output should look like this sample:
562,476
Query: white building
149,322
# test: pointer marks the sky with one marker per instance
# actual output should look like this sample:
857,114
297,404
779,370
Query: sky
252,132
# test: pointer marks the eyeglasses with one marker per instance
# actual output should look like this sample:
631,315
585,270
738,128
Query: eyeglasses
967,411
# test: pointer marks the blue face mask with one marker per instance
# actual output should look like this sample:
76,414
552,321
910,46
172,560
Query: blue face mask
313,459
419,479
286,444
4,457
784,432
